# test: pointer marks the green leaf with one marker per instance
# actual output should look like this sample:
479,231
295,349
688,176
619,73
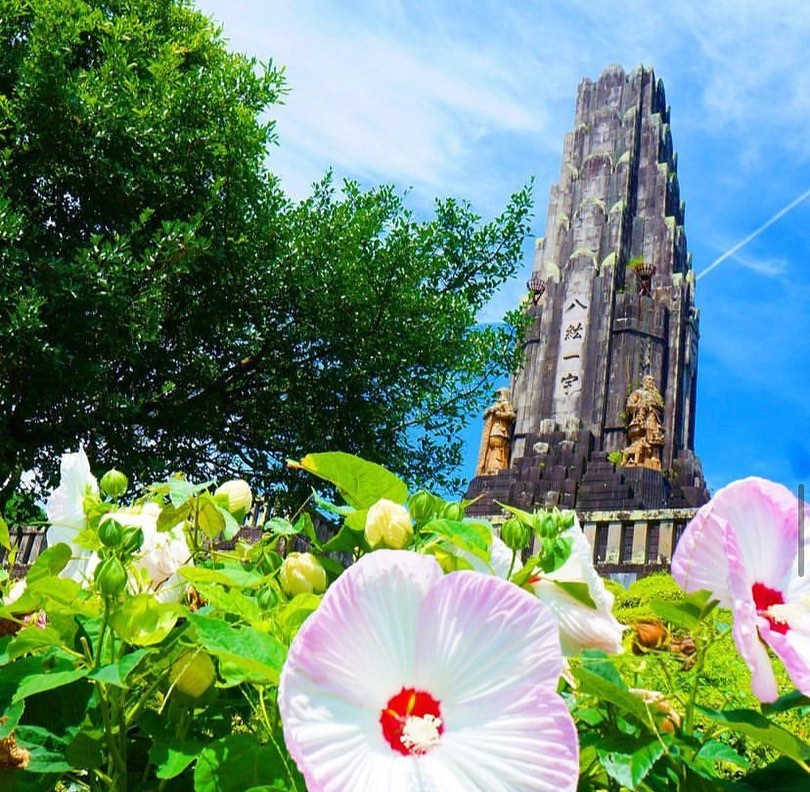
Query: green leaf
51,680
237,763
50,562
356,520
789,701
86,749
142,620
555,552
593,684
525,517
687,613
783,775
716,751
170,515
230,601
247,653
360,483
232,526
628,760
304,525
173,756
344,541
469,535
47,750
226,574
117,673
755,725
295,612
209,517
180,491
575,590
5,537
33,637
280,527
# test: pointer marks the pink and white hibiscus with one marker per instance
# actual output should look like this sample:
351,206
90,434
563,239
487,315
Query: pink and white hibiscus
743,546
581,626
405,679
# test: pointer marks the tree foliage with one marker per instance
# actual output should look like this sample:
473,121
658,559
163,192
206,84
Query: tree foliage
164,303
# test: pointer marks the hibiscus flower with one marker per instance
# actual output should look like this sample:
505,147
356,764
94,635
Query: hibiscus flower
743,546
405,679
65,510
581,626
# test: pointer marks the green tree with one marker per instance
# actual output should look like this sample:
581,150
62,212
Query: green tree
162,302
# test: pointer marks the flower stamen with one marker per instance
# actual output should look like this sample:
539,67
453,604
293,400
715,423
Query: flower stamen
766,601
411,722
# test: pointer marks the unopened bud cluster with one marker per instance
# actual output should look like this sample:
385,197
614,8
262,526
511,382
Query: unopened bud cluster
388,524
302,573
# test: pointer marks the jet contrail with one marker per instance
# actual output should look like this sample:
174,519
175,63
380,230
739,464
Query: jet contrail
742,243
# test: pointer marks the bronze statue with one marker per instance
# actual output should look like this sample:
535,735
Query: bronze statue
645,430
496,439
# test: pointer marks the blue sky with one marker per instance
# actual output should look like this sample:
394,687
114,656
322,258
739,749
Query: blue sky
472,98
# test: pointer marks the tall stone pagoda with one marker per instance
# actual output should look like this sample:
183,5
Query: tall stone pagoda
611,352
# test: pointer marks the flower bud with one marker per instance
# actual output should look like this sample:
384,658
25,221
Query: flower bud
422,506
110,533
515,534
302,573
649,634
388,524
113,483
453,511
239,496
192,674
132,540
111,577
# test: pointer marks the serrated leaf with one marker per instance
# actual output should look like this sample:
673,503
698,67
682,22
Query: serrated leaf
49,563
51,680
628,760
469,535
595,685
237,763
171,515
234,575
117,673
173,756
755,725
142,620
280,527
360,483
249,654
33,637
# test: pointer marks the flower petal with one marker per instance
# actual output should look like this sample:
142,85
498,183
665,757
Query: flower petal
65,505
530,746
349,658
480,637
746,622
793,649
581,627
764,517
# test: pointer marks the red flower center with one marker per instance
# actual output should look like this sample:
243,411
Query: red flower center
412,722
764,597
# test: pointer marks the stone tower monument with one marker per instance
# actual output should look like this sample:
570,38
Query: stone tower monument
611,352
